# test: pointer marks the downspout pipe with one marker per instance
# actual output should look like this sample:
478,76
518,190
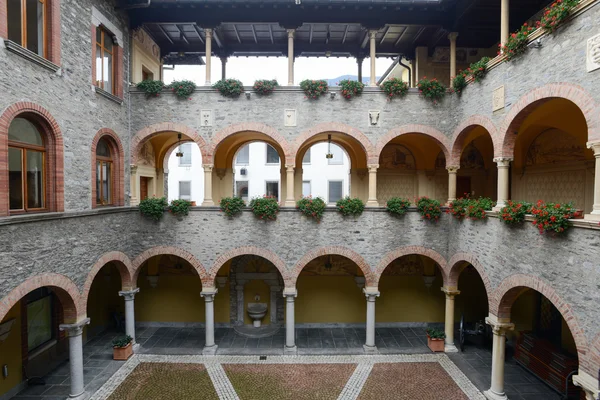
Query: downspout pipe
409,71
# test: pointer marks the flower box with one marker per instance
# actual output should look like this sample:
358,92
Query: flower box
577,214
123,353
436,345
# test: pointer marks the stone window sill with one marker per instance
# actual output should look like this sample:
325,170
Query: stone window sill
30,55
109,96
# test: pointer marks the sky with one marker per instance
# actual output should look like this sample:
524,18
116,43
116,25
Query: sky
249,69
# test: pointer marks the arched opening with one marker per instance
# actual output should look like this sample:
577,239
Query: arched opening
184,173
412,165
551,161
472,306
477,174
105,307
344,173
107,170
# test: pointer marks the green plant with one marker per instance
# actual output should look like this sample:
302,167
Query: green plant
153,207
478,69
313,208
552,217
431,89
351,88
180,207
466,207
429,208
516,43
350,206
314,89
435,333
122,341
229,87
265,207
458,207
514,212
264,87
556,13
397,205
459,82
394,87
232,205
151,87
182,89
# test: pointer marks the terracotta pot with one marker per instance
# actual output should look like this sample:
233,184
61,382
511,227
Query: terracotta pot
122,353
193,203
577,214
436,345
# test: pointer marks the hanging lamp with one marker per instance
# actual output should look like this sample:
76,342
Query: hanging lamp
329,154
179,153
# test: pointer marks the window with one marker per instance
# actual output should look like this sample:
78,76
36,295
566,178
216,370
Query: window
241,189
104,174
27,24
146,74
338,155
186,160
336,191
39,318
272,189
243,156
272,155
305,188
185,190
105,71
26,166
306,159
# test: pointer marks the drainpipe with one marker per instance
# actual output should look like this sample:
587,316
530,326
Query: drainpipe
409,71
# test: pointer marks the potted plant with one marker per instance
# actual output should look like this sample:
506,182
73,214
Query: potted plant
350,206
183,89
514,212
150,87
435,340
232,205
350,88
431,89
229,87
265,87
552,217
312,207
459,82
429,208
180,208
313,89
153,207
394,87
265,208
122,348
397,206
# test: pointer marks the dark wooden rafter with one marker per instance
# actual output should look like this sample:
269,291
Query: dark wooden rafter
310,35
271,34
385,33
182,35
237,34
197,29
345,34
254,33
165,33
401,36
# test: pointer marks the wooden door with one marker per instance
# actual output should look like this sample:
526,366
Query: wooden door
144,187
463,185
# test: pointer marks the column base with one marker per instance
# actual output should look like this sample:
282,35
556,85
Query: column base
450,348
372,203
289,203
208,203
136,347
370,349
210,350
80,396
490,395
291,351
592,217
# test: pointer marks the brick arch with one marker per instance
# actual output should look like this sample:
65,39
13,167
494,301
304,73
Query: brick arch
334,251
337,127
505,145
148,132
166,250
408,250
242,251
596,351
63,287
123,264
432,133
458,137
513,286
54,153
455,268
118,157
249,127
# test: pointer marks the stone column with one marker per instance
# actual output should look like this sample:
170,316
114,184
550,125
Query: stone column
129,296
499,328
372,200
76,356
371,294
588,384
503,164
208,43
359,61
290,200
166,183
504,21
452,37
449,320
134,199
291,33
372,54
452,171
209,301
208,200
290,326
223,68
596,207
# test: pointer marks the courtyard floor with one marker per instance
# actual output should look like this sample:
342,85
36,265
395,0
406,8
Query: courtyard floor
237,360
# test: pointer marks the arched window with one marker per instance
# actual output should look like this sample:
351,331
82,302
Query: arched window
27,167
104,173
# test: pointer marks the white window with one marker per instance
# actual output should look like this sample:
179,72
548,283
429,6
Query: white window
272,189
306,159
186,160
241,189
272,155
243,156
305,188
338,155
185,190
336,191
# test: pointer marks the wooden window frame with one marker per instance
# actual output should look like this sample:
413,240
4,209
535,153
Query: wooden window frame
113,53
105,160
45,26
23,147
117,159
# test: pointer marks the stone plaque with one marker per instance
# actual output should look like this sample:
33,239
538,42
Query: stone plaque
206,118
374,117
593,53
290,118
498,99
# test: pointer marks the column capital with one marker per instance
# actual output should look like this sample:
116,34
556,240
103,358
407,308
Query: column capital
372,34
133,169
503,161
208,167
290,292
75,329
450,291
588,383
595,146
129,294
208,32
371,293
291,33
453,169
452,36
209,293
290,167
499,327
373,167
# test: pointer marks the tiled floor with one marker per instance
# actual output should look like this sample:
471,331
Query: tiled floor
475,362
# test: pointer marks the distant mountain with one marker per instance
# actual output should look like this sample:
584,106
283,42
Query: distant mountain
334,81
